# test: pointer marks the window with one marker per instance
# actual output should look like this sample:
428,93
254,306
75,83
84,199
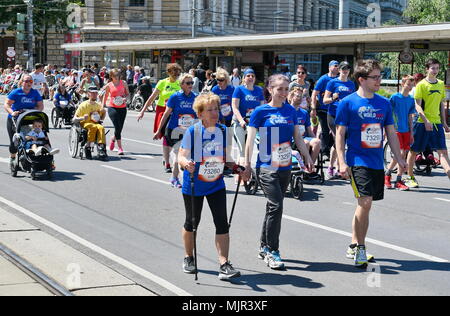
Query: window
137,3
252,10
230,8
305,12
241,9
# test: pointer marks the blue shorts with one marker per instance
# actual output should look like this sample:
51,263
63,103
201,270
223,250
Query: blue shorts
423,139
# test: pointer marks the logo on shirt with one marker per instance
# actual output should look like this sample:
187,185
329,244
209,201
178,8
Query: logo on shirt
26,100
250,98
368,112
434,91
278,119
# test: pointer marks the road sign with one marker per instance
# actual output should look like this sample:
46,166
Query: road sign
11,53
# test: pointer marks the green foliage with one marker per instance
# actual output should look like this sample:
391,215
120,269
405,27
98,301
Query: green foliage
384,93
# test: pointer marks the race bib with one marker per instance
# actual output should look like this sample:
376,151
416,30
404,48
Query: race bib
371,136
64,103
225,109
186,120
281,155
118,101
211,169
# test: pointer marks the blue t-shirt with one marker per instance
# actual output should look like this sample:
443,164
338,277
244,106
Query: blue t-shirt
209,157
183,114
226,111
24,101
402,107
365,120
249,100
321,86
276,129
343,88
64,98
304,120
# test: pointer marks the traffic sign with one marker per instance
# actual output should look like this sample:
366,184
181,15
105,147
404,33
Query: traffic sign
11,53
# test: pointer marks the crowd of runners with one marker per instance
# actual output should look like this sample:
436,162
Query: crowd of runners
200,114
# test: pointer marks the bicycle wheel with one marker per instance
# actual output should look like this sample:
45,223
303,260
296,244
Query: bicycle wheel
388,156
73,142
55,118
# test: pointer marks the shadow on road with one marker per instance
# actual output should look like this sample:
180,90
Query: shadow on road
412,266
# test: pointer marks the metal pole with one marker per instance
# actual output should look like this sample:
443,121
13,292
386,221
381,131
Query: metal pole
194,18
31,47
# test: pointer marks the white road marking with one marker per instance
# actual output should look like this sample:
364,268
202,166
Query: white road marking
144,273
440,199
136,174
373,241
140,156
141,142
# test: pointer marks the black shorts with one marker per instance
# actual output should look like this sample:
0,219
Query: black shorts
368,182
171,136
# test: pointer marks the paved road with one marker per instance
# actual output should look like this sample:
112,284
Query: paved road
128,211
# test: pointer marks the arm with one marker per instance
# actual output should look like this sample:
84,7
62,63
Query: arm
395,145
105,97
40,106
428,125
8,107
251,135
150,100
344,170
235,105
303,149
314,103
330,97
164,119
444,117
184,160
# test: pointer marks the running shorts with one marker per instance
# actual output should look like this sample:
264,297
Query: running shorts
368,182
405,140
424,139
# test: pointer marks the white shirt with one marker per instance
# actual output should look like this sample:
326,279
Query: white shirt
38,82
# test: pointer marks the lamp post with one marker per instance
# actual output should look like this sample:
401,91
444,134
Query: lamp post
30,63
275,18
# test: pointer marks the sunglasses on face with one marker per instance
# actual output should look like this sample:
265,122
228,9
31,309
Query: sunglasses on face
28,81
301,73
221,80
189,83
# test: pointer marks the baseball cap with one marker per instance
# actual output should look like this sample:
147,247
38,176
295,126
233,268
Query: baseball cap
333,63
344,65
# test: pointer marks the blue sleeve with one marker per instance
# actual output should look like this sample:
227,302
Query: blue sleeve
172,102
330,86
412,109
13,95
308,120
261,94
38,96
389,120
214,90
255,120
343,114
320,86
237,93
294,115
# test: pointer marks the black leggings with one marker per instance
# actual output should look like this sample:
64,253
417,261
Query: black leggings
11,131
217,203
117,116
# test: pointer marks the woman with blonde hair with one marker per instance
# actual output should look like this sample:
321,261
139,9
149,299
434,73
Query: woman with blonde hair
203,155
164,90
225,92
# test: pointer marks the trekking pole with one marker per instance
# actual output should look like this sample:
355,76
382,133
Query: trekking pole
234,201
194,225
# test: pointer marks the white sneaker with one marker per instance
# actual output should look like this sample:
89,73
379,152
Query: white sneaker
38,151
361,257
54,151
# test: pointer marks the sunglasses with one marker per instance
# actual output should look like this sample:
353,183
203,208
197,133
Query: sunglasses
301,73
189,83
221,80
28,81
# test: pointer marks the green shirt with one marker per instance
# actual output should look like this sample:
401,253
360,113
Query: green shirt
431,95
166,89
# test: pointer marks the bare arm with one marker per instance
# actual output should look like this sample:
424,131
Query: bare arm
164,119
235,105
344,170
394,143
444,117
150,100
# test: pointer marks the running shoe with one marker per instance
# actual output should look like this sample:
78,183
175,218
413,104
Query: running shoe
387,182
352,251
330,173
400,185
361,257
411,183
274,261
87,153
263,251
175,183
120,152
112,145
188,265
227,271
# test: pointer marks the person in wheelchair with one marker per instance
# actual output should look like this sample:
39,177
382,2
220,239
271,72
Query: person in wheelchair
312,142
37,141
61,100
90,116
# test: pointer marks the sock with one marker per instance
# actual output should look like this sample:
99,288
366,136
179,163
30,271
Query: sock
388,172
353,246
399,178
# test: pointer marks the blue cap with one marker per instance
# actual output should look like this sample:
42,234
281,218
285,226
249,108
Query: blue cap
333,63
249,71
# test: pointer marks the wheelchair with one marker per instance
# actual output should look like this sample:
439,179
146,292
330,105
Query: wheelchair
63,116
78,139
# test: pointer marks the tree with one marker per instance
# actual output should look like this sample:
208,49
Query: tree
420,12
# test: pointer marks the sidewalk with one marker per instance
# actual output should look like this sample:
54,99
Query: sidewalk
70,268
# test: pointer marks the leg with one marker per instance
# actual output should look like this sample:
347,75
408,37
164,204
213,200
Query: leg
218,204
187,232
445,162
361,220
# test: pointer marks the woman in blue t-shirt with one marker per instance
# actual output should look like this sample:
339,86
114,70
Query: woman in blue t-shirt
277,124
337,89
61,100
179,116
225,92
203,156
246,98
19,100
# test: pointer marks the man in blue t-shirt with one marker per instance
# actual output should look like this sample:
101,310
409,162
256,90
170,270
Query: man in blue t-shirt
19,100
365,116
319,109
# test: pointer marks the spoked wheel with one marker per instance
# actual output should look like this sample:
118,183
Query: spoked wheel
138,104
251,186
73,142
55,119
296,187
15,167
388,156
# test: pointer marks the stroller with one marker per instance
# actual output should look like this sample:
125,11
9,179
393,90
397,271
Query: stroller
26,162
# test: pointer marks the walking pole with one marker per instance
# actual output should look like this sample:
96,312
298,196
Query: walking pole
194,225
235,199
